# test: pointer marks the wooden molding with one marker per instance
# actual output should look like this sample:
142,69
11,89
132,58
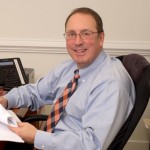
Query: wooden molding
58,47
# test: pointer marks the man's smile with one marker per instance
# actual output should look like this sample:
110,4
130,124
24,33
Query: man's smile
80,50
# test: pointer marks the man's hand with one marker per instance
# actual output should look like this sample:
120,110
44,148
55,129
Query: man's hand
3,102
26,131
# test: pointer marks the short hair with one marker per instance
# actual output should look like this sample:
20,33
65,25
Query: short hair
88,11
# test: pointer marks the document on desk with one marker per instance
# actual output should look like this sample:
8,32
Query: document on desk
8,118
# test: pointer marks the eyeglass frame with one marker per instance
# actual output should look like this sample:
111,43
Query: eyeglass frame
81,34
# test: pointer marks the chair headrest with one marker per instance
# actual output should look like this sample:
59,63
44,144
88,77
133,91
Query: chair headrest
135,64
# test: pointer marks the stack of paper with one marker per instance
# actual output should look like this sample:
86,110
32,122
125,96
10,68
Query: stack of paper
8,118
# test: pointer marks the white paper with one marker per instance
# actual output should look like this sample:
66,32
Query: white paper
8,117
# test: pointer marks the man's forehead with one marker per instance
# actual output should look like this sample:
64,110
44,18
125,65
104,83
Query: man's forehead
79,22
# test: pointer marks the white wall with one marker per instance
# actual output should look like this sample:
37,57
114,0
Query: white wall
32,30
126,21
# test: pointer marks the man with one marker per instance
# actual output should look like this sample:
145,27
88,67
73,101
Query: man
99,106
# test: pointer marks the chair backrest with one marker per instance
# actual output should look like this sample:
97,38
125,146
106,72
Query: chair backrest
139,70
1,78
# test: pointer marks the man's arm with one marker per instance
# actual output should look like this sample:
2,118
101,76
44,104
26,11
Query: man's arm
3,101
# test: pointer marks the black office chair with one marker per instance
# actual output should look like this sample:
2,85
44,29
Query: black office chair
139,70
1,78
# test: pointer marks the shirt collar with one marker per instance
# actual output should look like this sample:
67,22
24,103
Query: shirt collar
97,62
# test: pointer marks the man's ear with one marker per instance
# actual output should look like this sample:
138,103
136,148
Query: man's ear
101,37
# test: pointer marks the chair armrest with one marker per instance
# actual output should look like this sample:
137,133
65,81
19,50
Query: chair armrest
33,118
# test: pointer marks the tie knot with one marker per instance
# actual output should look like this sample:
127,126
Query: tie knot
76,74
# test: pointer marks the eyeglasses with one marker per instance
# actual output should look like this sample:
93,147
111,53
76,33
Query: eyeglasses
85,35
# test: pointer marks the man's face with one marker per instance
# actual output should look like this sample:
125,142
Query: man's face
83,51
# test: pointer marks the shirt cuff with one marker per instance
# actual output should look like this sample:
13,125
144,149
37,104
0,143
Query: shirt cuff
11,103
41,140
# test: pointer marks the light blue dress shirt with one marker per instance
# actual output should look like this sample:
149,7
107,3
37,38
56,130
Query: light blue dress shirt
95,112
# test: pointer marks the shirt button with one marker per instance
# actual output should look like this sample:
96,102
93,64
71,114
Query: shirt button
43,147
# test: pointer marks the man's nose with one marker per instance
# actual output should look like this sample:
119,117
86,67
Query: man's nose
78,39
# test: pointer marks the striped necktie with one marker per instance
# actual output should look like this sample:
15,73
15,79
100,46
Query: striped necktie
61,103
